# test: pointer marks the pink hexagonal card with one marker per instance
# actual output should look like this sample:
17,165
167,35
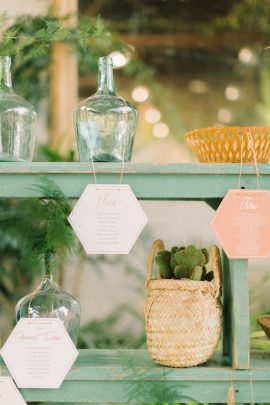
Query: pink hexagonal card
242,223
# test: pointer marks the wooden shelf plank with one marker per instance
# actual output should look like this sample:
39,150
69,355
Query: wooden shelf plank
131,376
175,181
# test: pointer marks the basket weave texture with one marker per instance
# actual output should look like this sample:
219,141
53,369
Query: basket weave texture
228,144
183,317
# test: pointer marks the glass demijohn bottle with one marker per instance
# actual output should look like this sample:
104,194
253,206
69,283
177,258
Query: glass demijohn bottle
50,301
17,120
105,124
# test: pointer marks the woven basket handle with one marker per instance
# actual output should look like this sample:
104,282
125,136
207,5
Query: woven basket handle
157,245
216,267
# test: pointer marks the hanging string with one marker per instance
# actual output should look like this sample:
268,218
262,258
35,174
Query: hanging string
241,161
230,396
124,142
251,388
251,145
254,156
35,294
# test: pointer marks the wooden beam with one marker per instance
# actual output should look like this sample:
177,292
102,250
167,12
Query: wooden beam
217,41
64,82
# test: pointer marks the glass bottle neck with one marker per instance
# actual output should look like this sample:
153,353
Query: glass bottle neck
105,77
48,270
5,75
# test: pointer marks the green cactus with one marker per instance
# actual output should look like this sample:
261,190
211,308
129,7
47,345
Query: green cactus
190,257
163,261
183,262
180,272
206,255
197,273
173,262
174,249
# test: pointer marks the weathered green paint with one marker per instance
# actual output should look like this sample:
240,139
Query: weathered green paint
226,300
131,376
164,182
238,312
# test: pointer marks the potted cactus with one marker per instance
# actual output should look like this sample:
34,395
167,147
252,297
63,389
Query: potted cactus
184,263
183,313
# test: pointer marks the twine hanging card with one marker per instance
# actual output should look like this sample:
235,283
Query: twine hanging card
39,353
108,219
242,221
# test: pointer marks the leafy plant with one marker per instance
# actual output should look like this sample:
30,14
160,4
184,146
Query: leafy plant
30,40
40,225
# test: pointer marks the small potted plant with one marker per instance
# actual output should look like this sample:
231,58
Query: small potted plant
183,313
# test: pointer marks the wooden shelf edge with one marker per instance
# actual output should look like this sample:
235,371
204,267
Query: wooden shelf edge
131,376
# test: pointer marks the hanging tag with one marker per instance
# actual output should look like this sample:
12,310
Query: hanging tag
9,393
107,219
242,223
39,353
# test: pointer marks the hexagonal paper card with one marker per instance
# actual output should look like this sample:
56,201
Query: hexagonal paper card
107,219
9,393
39,353
242,223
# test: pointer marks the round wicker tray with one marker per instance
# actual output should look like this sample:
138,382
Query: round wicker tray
230,144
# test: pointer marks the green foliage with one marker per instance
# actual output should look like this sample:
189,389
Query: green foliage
189,258
163,261
29,229
40,225
206,255
197,273
108,332
47,154
30,40
184,263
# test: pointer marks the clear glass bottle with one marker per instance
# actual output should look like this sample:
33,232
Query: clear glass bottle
50,301
105,124
17,120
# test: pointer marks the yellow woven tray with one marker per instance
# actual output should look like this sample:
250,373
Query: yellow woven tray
223,145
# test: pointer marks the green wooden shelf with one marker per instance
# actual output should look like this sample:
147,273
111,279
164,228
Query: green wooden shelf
149,182
131,376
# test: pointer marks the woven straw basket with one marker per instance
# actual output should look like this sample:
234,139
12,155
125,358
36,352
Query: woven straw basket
183,317
230,144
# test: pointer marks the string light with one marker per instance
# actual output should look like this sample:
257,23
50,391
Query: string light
152,115
161,130
232,93
224,115
119,59
140,94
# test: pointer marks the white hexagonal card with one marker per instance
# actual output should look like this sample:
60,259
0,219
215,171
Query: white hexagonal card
9,393
107,219
39,353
